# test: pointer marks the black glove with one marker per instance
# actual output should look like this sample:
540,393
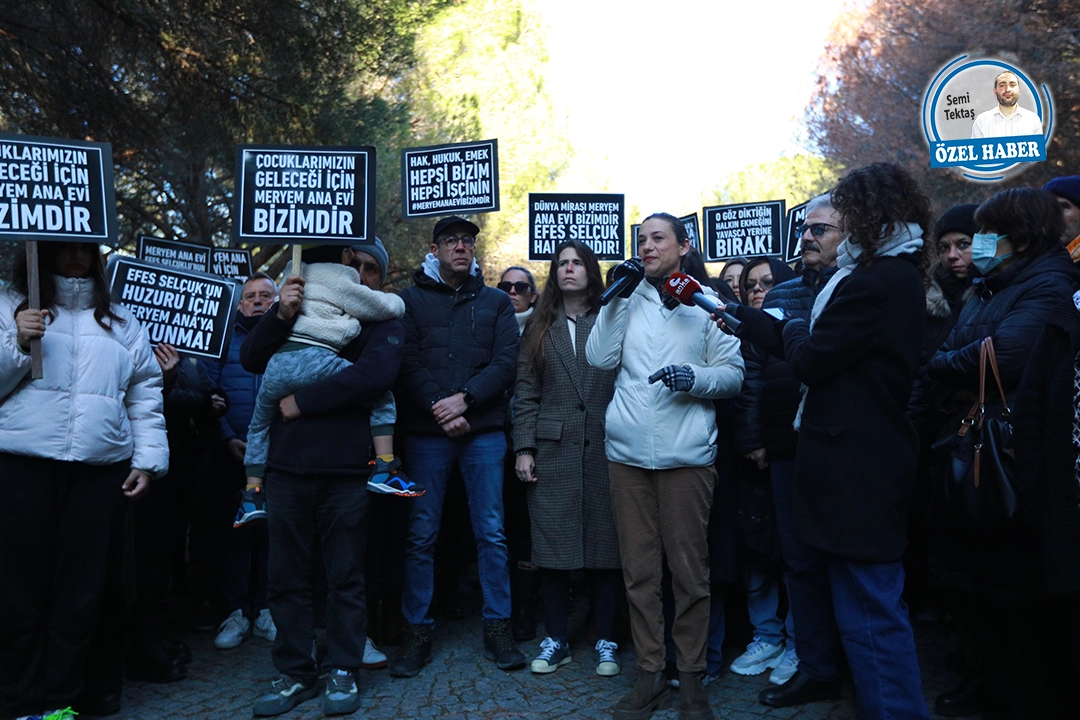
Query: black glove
632,269
676,377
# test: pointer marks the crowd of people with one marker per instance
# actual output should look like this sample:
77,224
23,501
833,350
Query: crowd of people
605,441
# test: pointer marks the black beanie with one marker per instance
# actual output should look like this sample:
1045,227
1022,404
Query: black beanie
960,218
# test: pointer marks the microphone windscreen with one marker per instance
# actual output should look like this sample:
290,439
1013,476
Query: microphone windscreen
682,287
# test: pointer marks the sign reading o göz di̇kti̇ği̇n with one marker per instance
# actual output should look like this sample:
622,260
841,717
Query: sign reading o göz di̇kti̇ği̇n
595,219
186,256
192,311
744,230
304,194
443,179
966,129
53,189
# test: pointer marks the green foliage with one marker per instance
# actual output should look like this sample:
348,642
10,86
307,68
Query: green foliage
795,179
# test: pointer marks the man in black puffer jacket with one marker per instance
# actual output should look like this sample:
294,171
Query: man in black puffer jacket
460,358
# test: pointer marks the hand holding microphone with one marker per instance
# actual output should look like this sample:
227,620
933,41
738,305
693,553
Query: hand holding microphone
627,276
686,290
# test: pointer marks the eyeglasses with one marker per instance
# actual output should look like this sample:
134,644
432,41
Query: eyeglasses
765,285
817,229
452,242
521,287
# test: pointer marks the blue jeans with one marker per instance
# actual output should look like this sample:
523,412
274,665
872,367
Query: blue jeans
429,460
762,602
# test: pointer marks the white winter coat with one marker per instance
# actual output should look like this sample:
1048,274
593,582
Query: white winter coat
100,399
648,425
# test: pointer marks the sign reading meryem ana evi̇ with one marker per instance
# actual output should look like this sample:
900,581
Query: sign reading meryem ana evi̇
231,262
304,194
595,219
186,256
795,218
53,189
190,310
690,223
744,230
450,179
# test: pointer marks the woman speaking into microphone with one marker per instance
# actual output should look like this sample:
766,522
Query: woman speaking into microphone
671,363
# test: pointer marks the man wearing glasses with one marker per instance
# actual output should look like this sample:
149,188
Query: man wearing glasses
770,398
460,358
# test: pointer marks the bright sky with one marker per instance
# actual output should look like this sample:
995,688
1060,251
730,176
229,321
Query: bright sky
665,98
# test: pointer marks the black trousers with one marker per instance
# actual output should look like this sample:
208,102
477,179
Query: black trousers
56,523
328,512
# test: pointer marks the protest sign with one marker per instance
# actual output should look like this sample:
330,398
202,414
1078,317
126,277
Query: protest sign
693,235
304,194
185,256
793,246
450,179
190,310
52,189
231,262
595,219
745,230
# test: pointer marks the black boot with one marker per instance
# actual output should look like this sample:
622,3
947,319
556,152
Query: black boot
693,702
799,690
964,699
649,694
415,652
499,645
523,581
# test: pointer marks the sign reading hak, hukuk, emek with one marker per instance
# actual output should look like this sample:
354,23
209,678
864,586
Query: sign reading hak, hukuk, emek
450,179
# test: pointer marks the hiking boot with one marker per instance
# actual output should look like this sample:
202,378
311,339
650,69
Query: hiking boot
649,694
342,696
235,630
415,652
374,659
759,657
252,507
607,659
387,479
499,645
553,655
285,694
693,702
264,626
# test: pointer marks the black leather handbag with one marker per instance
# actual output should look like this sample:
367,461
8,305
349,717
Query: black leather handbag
980,478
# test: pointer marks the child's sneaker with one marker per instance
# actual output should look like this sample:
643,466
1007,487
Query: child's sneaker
388,479
252,507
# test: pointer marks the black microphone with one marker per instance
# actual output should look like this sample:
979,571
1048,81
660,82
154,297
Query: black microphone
627,276
686,290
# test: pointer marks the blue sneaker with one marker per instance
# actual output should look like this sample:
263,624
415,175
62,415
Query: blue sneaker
252,507
388,479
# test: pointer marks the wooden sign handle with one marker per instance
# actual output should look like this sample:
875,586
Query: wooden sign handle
34,301
296,249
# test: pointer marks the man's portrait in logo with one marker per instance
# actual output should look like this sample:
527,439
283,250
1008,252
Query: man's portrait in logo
986,117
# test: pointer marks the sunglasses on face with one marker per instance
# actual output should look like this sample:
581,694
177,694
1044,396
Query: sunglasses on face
765,285
452,242
520,287
817,229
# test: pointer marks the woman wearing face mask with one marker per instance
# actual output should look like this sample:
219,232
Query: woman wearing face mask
671,363
1024,277
74,446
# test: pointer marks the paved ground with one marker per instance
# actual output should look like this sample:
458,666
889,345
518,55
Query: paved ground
460,683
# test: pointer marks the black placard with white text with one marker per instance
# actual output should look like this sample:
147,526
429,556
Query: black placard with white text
744,230
304,194
595,219
186,256
190,310
53,189
795,218
693,234
230,262
450,179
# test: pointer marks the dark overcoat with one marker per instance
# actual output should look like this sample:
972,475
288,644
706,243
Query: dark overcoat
560,415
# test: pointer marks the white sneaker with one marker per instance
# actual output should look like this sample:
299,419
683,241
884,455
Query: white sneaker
264,626
235,630
373,657
607,660
553,655
787,667
759,657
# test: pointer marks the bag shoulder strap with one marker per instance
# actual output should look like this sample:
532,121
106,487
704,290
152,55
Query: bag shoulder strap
988,349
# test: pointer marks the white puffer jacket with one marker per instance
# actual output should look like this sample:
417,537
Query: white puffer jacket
648,425
100,400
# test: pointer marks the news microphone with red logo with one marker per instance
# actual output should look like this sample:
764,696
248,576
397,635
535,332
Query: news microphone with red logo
686,290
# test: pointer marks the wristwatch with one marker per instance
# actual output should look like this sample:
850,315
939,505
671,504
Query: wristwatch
468,397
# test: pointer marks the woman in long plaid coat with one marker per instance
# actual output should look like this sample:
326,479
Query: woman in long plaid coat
559,442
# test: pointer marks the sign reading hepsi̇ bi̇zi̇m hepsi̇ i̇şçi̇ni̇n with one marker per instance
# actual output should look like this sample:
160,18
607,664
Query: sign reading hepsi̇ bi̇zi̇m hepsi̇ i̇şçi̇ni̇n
450,179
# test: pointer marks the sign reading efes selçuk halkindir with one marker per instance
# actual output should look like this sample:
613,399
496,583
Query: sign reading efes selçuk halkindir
53,189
